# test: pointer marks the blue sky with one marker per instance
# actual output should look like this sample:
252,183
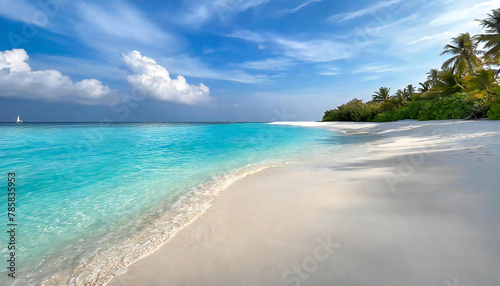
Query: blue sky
194,60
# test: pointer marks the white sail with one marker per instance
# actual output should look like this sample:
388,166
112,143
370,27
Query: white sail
19,120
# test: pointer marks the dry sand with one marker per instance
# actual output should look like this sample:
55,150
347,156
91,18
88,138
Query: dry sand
419,204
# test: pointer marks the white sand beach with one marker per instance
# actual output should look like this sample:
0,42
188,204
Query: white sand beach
417,204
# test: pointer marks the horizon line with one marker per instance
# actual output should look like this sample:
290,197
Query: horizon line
119,122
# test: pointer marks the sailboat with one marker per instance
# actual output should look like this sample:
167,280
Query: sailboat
19,120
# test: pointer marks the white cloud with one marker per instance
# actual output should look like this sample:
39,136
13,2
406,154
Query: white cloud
92,88
269,64
329,71
37,15
17,79
422,35
362,12
317,50
155,81
107,26
464,13
314,50
199,12
398,23
123,21
430,37
248,36
18,11
369,78
298,8
116,27
377,69
444,21
194,67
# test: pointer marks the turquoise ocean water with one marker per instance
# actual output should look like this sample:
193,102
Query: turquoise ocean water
93,198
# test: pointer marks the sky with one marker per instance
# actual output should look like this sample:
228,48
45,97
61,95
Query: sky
219,60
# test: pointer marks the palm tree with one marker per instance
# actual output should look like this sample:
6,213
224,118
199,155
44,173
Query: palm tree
483,80
424,87
411,91
465,59
432,77
492,35
382,94
448,82
402,95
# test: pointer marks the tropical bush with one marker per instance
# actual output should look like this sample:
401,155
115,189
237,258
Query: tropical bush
354,110
494,112
450,107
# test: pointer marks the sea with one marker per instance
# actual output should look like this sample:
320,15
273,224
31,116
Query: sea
92,198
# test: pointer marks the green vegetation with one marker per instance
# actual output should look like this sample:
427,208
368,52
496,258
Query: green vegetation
354,110
466,86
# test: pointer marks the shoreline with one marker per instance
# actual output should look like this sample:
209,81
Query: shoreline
114,259
413,178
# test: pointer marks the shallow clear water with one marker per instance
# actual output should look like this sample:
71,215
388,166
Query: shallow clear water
84,187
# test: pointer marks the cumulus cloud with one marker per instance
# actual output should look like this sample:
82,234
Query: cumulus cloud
17,79
156,82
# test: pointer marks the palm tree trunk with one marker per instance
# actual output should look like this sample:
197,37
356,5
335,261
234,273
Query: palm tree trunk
469,63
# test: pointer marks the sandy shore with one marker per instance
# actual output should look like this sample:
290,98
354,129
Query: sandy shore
417,204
